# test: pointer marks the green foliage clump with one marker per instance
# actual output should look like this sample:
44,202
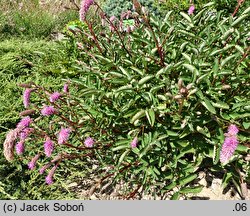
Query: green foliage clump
32,20
117,7
228,6
156,99
174,85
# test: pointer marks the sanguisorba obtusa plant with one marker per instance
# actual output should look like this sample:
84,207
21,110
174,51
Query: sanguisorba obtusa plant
155,99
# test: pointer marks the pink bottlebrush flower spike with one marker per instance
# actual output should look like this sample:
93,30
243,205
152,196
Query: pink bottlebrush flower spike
230,144
85,5
191,10
46,166
66,88
54,97
20,147
48,147
89,142
134,143
63,135
25,133
49,177
33,161
48,110
26,97
25,122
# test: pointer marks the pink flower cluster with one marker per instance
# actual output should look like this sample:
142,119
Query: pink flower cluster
49,177
54,97
63,135
134,143
33,161
191,10
26,97
48,110
89,142
85,5
48,147
230,144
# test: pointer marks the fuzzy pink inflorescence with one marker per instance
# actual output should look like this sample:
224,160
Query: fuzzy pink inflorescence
33,161
48,147
42,170
66,88
20,147
49,177
89,142
25,122
25,133
230,144
191,10
48,110
85,5
63,135
26,97
134,143
54,97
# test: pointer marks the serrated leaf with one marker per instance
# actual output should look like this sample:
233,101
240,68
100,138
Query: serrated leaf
203,131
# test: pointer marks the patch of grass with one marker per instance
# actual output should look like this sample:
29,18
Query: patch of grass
33,20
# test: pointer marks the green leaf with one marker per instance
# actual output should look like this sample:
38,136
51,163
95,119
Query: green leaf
138,115
220,104
172,133
187,57
120,147
145,79
186,150
246,125
151,117
239,20
226,179
186,180
206,103
216,155
227,59
242,149
187,190
203,131
175,196
123,156
125,72
187,17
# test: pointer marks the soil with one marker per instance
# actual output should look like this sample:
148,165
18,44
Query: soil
212,190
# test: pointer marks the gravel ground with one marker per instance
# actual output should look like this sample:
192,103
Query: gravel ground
90,189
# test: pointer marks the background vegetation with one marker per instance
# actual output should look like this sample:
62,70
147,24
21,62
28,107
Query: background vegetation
29,51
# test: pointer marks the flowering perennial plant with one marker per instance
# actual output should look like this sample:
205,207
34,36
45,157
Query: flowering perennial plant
149,103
